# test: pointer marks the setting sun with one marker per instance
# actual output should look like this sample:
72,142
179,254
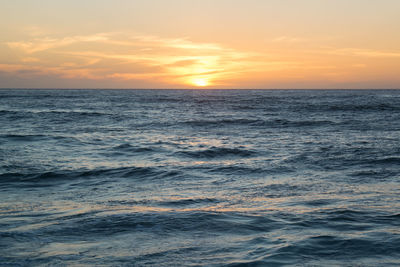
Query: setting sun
201,82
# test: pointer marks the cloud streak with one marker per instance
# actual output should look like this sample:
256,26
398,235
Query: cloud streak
174,61
362,52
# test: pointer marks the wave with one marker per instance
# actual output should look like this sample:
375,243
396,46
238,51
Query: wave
66,175
333,219
66,111
188,202
223,122
218,152
385,161
134,149
240,170
344,158
302,123
279,190
329,246
361,107
98,224
24,137
67,140
259,123
245,239
249,239
373,174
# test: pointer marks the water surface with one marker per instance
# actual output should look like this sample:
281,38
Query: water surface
199,177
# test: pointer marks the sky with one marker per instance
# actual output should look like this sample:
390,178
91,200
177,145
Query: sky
254,44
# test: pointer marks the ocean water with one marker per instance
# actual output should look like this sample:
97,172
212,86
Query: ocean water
199,178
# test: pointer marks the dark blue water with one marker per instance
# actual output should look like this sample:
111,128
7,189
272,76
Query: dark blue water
199,178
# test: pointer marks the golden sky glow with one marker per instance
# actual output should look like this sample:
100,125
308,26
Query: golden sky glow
200,44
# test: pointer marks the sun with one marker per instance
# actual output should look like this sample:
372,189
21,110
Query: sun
200,82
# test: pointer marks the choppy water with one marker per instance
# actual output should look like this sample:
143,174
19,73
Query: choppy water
164,178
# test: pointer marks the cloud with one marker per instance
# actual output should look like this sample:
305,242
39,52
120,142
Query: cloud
288,39
361,52
46,43
172,62
121,56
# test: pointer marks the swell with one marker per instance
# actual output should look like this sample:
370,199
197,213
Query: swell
344,220
362,159
66,175
126,147
38,137
188,202
321,250
235,169
96,224
240,170
258,238
278,190
217,152
384,161
362,107
259,123
335,247
61,112
24,137
222,122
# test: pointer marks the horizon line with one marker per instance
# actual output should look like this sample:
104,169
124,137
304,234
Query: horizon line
66,88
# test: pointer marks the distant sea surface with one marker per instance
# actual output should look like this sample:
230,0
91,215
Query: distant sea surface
199,177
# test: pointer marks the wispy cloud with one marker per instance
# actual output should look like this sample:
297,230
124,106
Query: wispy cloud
288,39
117,56
175,62
362,52
47,43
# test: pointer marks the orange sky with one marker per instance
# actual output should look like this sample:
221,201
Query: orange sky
200,44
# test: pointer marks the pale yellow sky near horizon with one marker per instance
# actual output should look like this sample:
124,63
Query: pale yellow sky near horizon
200,44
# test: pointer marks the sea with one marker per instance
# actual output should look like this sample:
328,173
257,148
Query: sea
199,177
